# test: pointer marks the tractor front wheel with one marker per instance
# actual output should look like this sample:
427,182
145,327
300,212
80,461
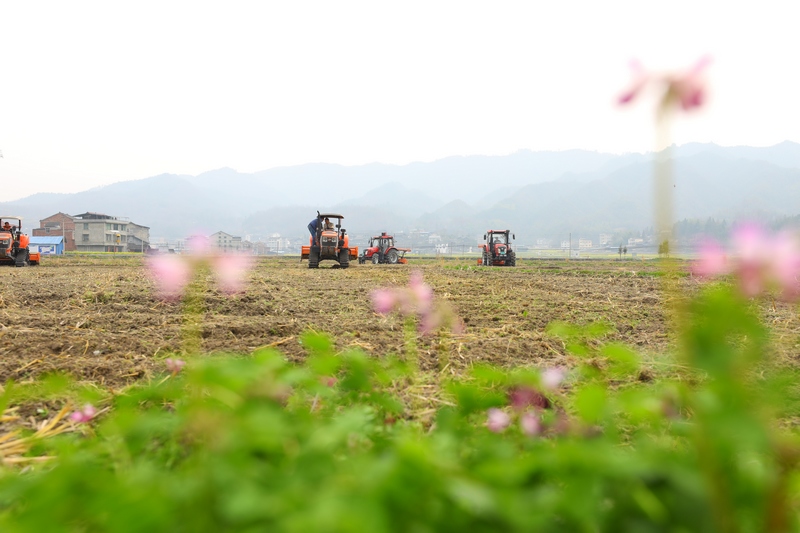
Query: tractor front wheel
511,260
392,257
344,258
375,259
487,259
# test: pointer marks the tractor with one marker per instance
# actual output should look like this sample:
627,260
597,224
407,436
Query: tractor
496,250
14,244
381,249
332,242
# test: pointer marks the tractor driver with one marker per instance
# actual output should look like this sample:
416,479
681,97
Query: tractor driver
7,226
328,225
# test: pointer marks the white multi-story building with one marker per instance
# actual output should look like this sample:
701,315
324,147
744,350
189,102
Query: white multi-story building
225,242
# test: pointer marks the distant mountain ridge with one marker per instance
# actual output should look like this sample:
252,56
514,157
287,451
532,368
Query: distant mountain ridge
538,194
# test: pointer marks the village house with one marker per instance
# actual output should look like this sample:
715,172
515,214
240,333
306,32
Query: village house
95,232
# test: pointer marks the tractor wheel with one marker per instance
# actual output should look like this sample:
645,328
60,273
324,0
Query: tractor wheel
511,260
344,258
21,258
361,259
392,257
487,259
375,259
313,257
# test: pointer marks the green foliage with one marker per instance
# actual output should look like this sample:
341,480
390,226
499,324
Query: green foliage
260,444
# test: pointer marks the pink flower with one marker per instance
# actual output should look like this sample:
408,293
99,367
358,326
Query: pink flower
530,424
199,245
552,377
497,420
713,260
384,301
640,79
230,270
171,274
328,381
416,300
786,264
84,415
175,365
687,89
760,261
522,398
421,291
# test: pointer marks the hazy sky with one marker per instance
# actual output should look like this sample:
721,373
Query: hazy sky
97,92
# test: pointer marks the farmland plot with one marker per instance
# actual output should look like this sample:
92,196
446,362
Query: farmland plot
100,319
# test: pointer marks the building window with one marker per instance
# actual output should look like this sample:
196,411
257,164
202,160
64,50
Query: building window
86,226
85,237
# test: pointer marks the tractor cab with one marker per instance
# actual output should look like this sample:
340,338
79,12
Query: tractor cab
14,245
329,242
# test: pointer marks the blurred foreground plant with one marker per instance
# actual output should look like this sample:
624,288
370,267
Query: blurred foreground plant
258,443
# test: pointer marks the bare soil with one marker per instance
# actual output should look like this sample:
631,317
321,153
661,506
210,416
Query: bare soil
100,319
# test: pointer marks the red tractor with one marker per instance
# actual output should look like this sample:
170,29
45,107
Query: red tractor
330,242
14,244
381,249
496,251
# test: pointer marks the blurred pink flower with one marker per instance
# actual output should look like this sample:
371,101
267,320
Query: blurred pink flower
759,261
522,398
530,424
552,377
422,292
199,245
497,420
84,415
640,79
712,262
175,365
230,271
416,299
328,381
384,300
686,89
171,274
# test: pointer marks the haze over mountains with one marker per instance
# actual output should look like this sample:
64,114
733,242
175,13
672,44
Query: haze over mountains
537,194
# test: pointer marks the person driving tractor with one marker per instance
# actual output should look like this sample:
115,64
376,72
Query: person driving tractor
328,224
7,226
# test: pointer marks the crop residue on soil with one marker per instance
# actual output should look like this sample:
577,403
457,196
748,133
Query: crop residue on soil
101,321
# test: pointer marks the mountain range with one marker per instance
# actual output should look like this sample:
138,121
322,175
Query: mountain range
537,194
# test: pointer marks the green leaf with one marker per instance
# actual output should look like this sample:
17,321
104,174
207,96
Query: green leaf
590,402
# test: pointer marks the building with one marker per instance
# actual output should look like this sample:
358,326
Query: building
53,245
277,244
225,242
605,239
60,224
584,244
97,232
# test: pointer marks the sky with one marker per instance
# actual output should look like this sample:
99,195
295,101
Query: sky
93,93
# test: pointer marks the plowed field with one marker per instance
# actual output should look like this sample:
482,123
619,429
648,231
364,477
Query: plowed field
99,318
